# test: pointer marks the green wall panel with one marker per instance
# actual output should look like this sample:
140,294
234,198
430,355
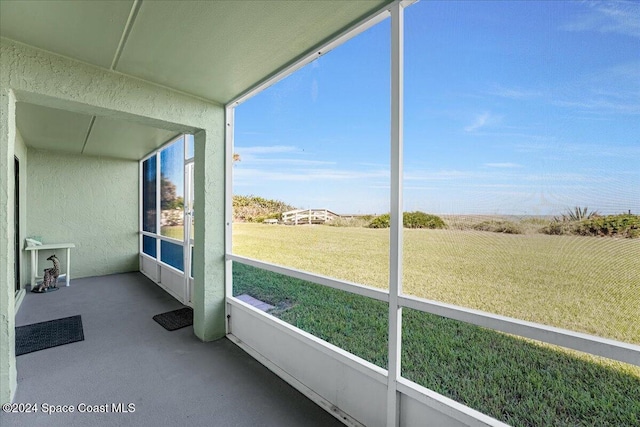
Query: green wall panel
89,201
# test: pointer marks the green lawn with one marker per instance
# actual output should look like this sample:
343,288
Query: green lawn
565,281
175,231
585,284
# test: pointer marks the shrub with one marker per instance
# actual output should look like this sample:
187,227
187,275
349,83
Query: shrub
559,228
499,226
577,214
257,209
357,221
415,219
625,225
262,218
382,221
419,219
533,225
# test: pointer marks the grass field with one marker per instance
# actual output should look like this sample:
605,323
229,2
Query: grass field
586,284
175,231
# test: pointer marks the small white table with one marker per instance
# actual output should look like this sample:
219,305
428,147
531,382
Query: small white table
34,258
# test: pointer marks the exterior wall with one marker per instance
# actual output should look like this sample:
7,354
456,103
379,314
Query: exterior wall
32,75
89,201
8,374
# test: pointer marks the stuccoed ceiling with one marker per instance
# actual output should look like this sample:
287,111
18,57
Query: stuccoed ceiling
215,50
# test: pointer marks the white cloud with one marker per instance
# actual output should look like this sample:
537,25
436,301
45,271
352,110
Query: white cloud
444,175
290,162
600,106
267,149
563,150
559,180
622,17
246,175
611,90
515,93
506,165
481,121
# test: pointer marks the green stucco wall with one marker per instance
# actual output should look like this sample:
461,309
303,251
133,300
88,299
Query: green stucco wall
8,373
35,76
89,201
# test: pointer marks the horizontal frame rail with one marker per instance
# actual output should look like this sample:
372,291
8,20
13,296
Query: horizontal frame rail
161,237
359,364
353,288
598,346
617,350
445,405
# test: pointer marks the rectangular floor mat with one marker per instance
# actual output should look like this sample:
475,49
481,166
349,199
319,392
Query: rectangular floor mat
52,333
175,319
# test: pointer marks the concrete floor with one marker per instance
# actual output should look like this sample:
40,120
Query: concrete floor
172,378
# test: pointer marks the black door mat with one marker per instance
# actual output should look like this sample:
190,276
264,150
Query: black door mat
175,319
43,291
43,335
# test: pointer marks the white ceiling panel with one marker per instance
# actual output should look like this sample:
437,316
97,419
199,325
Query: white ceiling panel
122,139
218,50
86,30
52,129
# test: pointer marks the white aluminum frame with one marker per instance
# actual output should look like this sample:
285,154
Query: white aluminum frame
354,288
186,242
395,248
228,210
616,350
396,384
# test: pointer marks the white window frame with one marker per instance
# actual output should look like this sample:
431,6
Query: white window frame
184,296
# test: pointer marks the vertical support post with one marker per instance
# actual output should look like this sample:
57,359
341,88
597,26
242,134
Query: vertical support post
186,248
228,211
140,211
68,278
395,247
208,297
34,268
158,216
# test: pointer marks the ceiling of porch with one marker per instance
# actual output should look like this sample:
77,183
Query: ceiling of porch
214,50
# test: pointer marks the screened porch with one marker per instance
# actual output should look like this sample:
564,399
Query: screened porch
121,126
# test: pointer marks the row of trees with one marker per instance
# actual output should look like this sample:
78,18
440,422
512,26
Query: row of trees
168,198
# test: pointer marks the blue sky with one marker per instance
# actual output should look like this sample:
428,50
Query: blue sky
525,108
